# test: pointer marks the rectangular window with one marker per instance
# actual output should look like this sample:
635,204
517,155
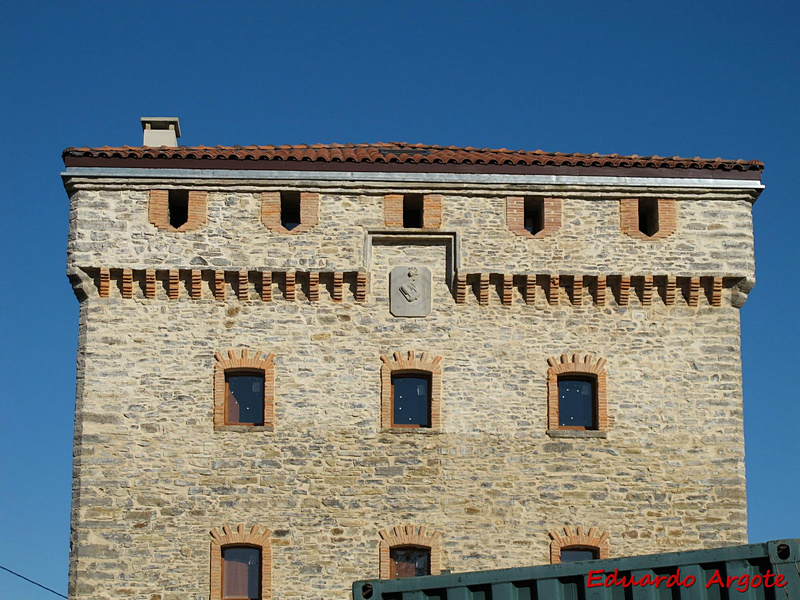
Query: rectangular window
576,403
241,573
648,216
412,210
411,401
576,554
534,215
244,398
178,204
410,561
290,210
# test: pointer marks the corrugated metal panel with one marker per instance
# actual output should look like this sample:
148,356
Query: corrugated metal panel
755,568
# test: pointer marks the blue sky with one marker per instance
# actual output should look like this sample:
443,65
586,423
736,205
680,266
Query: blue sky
684,78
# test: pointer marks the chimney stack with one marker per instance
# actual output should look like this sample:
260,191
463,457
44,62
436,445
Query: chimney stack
161,131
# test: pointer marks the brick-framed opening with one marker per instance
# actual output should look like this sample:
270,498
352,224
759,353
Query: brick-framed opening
410,535
398,364
271,211
159,209
661,220
546,210
254,537
581,366
394,209
243,361
567,539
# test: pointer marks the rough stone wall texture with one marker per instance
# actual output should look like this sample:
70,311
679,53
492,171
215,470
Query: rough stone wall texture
714,232
153,477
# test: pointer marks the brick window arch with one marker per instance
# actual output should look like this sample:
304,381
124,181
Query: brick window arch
304,205
242,362
578,539
164,203
241,537
648,219
533,216
410,536
577,367
399,365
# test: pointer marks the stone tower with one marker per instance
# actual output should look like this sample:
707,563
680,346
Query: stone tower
304,365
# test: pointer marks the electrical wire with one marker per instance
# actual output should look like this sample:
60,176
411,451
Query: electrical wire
44,587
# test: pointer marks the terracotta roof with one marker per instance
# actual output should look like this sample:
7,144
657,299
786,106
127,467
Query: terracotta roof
395,154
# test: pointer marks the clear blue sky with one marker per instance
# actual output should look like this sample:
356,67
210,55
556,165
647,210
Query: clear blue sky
687,78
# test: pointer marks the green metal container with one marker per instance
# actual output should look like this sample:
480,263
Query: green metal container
768,571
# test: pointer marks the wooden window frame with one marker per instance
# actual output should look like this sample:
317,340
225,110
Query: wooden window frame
409,363
578,538
409,535
251,372
579,377
412,373
593,549
222,571
235,361
407,547
254,537
577,365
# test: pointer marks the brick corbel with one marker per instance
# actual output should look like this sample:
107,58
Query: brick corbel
593,539
411,363
241,536
577,364
242,359
409,535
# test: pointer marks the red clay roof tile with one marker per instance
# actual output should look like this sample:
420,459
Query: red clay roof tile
408,154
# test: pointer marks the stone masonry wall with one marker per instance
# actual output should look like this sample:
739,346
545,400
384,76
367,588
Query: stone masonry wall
153,477
110,227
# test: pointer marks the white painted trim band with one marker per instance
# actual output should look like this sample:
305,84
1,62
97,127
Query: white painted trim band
475,178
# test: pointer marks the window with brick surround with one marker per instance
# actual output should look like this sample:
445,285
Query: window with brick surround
570,544
648,218
177,210
576,393
241,563
244,390
410,551
290,212
413,211
411,391
411,399
533,216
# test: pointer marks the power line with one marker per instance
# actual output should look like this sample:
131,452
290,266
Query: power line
33,582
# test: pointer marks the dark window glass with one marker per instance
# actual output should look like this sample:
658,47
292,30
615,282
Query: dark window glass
412,210
576,403
575,554
178,207
245,398
241,573
290,209
411,401
410,561
534,215
648,216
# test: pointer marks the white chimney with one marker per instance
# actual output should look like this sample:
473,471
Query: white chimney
161,131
